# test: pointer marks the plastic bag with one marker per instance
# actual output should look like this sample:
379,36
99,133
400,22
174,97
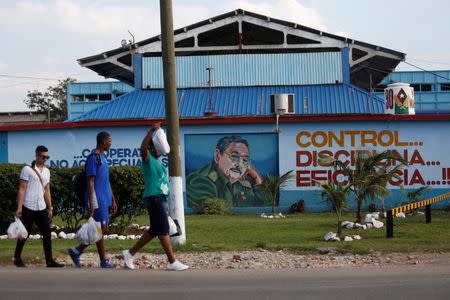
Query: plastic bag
16,230
159,139
174,227
89,233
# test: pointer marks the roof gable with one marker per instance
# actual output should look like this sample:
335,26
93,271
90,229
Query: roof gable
240,32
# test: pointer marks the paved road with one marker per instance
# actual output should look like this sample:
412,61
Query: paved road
418,282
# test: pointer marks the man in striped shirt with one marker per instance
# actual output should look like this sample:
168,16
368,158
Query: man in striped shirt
34,205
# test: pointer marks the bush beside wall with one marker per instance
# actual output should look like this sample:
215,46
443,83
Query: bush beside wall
127,184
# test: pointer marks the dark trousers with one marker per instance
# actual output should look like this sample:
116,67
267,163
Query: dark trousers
40,217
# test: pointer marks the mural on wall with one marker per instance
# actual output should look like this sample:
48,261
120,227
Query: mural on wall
229,167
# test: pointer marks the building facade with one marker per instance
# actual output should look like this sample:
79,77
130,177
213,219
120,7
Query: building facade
229,70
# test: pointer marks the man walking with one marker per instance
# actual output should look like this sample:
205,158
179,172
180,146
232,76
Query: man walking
34,205
98,196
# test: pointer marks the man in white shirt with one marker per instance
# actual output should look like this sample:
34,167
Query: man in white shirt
34,205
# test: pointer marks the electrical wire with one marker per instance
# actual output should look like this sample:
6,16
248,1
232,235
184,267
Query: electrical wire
29,77
437,75
429,61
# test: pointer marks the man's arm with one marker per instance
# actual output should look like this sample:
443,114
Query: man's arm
48,200
114,203
146,141
20,196
91,191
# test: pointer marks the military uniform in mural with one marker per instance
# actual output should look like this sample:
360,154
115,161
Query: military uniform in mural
209,182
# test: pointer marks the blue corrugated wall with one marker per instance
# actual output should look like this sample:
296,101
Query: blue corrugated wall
248,70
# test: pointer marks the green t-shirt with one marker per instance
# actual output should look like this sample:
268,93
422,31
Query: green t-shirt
155,178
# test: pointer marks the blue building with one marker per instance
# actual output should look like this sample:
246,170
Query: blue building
229,71
245,57
431,89
86,96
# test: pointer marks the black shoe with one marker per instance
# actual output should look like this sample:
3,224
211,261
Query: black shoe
54,264
18,262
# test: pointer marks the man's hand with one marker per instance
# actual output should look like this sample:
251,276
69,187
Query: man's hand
254,175
156,126
91,211
50,213
114,205
19,212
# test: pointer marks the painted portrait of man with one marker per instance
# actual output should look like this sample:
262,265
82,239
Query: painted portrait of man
230,176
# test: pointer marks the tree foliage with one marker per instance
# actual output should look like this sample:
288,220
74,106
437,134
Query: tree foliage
336,195
53,99
272,186
372,171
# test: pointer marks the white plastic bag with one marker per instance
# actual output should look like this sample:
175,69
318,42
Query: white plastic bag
89,233
160,141
16,230
174,227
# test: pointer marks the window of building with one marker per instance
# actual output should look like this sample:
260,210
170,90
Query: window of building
425,87
78,98
104,97
91,98
416,87
445,86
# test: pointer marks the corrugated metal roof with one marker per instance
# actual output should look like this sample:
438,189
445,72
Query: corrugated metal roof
239,101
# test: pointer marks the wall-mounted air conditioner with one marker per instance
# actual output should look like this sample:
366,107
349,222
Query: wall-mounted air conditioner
281,104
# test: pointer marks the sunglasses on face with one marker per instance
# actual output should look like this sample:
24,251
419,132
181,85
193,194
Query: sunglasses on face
44,156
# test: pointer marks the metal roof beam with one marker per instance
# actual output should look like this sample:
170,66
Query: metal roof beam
370,53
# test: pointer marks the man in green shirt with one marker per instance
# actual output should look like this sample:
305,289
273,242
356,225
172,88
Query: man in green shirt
230,176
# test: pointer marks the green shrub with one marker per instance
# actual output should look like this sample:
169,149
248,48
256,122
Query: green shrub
9,183
126,182
64,199
214,206
128,185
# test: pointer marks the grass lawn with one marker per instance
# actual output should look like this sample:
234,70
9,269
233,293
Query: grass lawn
301,233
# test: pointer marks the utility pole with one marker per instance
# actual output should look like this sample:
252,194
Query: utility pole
176,205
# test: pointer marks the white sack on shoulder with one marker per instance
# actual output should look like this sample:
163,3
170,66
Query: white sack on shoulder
159,139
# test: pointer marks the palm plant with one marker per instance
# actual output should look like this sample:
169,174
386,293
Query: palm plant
372,171
272,185
336,195
414,195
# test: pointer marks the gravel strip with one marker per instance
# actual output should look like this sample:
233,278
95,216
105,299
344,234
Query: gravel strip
263,259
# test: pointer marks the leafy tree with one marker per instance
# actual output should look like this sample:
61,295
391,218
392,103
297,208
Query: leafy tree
54,99
272,186
371,173
336,195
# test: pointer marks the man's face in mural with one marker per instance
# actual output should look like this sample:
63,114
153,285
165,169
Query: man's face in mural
234,161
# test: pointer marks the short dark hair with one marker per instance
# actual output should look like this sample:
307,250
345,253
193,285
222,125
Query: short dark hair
225,142
40,149
101,136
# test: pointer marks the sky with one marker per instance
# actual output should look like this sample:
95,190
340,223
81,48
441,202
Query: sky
42,39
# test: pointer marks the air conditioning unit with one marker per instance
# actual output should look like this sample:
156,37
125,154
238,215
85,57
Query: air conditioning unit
281,104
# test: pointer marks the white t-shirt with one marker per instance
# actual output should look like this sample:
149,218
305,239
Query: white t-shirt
34,193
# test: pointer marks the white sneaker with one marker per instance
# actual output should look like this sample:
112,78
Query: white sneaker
128,258
176,266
